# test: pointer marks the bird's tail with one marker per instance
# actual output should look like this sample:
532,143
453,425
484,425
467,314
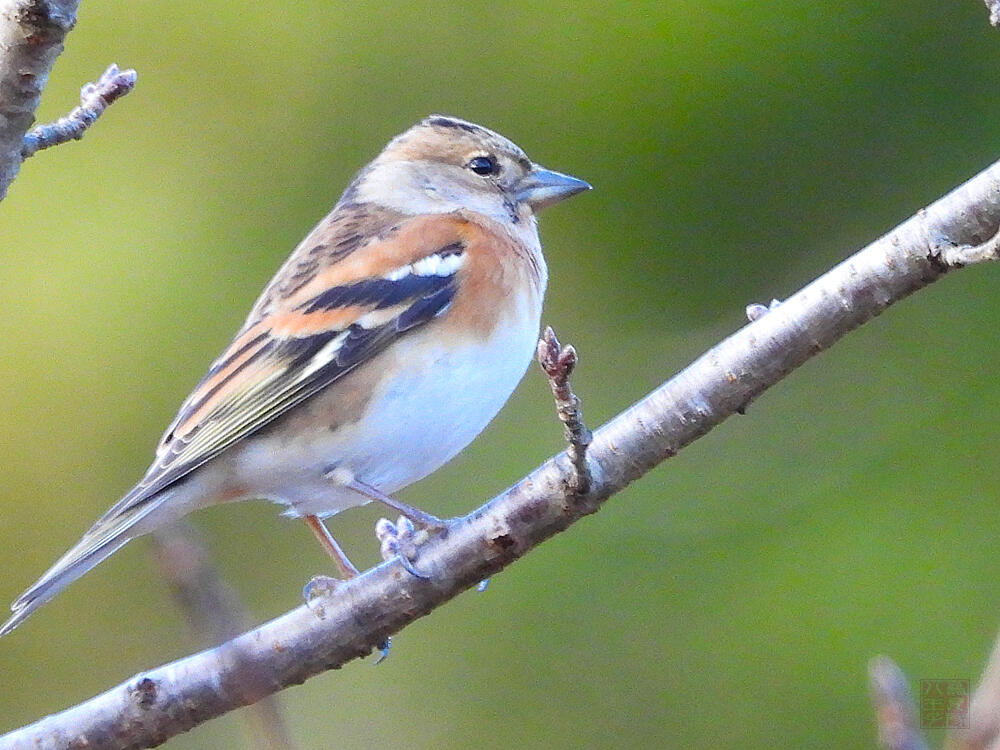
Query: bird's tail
106,537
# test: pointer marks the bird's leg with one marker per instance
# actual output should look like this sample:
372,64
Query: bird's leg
398,540
320,585
419,517
344,565
325,584
344,477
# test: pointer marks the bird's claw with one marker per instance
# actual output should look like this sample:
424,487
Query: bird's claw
319,586
383,648
399,540
755,310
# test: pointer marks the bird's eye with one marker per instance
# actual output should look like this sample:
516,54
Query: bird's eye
484,166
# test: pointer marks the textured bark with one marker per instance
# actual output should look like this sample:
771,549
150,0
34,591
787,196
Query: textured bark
957,230
31,38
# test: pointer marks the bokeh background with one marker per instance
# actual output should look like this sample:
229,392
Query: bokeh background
729,599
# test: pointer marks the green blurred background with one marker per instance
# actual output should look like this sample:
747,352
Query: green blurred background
729,599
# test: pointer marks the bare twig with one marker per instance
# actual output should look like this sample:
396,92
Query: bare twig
94,99
895,712
31,37
964,255
171,699
558,363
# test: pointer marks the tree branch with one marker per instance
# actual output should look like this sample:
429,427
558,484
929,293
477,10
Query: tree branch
350,623
984,711
31,38
94,99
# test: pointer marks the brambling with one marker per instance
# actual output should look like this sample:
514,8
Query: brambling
389,339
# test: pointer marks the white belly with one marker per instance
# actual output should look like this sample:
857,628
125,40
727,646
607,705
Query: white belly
423,420
412,425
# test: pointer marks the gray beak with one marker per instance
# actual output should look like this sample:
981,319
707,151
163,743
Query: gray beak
543,187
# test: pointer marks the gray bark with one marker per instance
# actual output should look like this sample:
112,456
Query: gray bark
31,38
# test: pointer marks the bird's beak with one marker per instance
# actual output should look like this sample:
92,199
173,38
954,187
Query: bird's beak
543,187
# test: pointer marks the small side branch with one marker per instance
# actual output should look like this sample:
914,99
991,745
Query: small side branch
558,363
895,711
956,256
31,37
94,99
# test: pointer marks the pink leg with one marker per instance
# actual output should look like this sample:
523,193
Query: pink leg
414,514
346,567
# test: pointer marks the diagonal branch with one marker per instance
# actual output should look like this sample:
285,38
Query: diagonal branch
163,702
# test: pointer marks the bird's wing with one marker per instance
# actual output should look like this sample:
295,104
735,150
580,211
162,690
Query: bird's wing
337,302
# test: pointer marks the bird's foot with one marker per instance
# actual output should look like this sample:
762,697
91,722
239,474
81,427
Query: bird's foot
383,649
320,587
400,540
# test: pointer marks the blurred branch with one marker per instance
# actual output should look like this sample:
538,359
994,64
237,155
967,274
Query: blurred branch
897,718
993,6
94,99
895,712
215,613
31,38
983,732
362,612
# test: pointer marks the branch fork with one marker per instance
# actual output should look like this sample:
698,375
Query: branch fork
955,255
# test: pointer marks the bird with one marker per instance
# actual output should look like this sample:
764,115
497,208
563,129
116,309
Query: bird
386,342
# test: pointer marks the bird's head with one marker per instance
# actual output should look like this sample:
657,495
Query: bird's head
443,164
